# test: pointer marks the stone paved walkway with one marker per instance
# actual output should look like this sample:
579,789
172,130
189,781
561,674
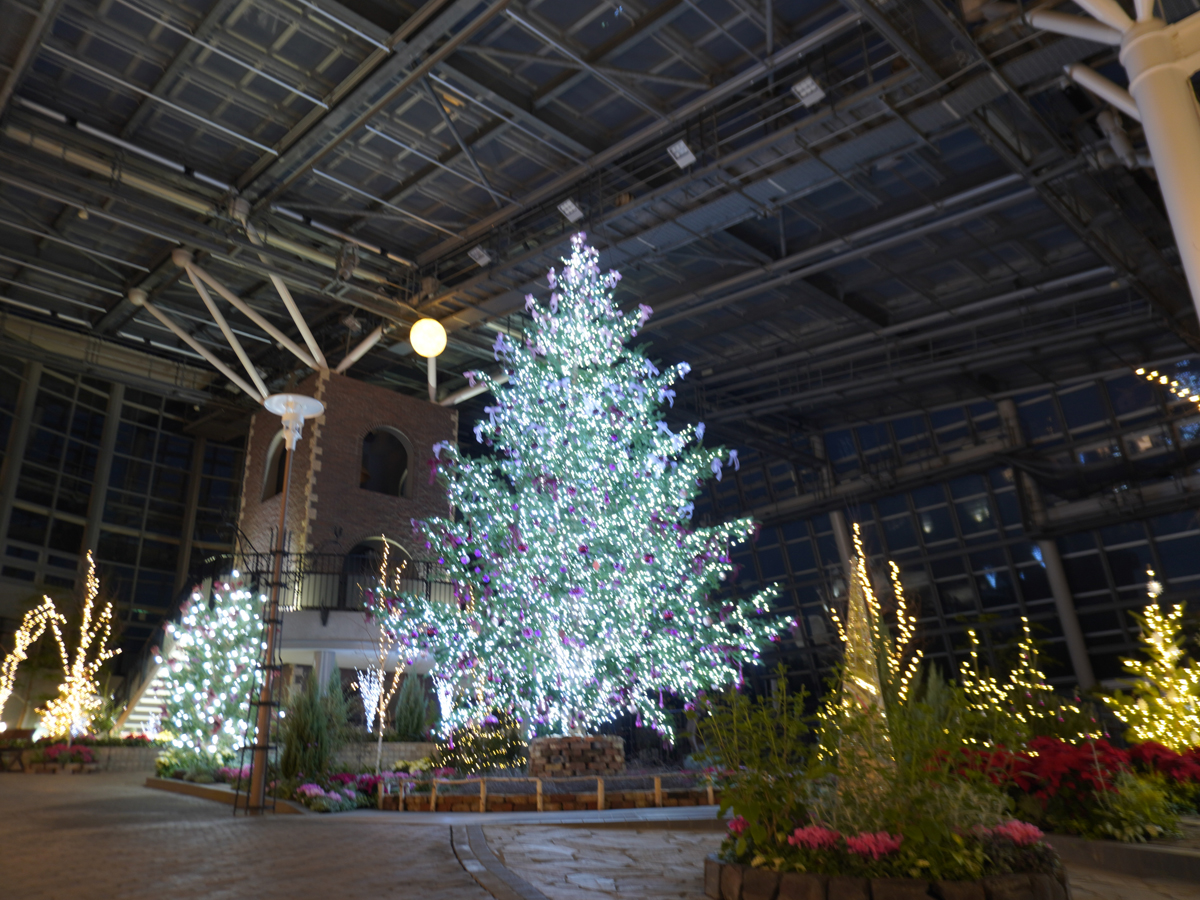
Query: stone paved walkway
593,864
105,837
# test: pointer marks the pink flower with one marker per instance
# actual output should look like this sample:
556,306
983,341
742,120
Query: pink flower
814,837
874,845
1020,833
738,824
310,790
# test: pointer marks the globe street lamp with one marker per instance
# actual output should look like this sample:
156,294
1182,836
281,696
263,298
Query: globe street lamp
428,339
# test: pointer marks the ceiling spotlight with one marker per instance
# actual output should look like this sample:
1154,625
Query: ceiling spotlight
352,324
570,211
682,154
83,214
807,91
481,256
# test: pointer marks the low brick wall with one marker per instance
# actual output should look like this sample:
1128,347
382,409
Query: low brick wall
113,759
729,881
564,756
357,755
126,759
550,802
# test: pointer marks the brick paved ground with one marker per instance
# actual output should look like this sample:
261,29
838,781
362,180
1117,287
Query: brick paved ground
104,837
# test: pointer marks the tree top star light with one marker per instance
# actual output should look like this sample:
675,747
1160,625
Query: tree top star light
582,583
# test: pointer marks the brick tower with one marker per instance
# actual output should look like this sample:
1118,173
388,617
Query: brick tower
361,469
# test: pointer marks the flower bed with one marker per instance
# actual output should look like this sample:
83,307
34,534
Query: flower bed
1092,788
730,881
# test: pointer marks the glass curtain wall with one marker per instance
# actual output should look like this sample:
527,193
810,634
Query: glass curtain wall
1101,453
158,483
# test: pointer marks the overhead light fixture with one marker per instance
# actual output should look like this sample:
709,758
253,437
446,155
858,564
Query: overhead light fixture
481,256
682,154
570,211
807,91
428,337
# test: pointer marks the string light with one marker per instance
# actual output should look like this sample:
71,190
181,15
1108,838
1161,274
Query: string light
33,626
1182,391
582,583
877,670
1024,697
70,713
210,672
1164,704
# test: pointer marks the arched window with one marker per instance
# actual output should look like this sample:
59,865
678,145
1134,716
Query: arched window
276,467
384,464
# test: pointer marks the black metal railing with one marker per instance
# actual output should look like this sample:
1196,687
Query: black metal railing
338,581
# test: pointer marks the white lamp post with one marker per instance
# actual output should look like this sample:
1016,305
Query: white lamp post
428,339
293,409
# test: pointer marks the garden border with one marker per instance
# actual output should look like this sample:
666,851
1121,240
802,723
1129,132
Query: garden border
733,881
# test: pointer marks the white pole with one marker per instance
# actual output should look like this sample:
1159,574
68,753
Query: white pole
358,352
254,316
431,372
1160,61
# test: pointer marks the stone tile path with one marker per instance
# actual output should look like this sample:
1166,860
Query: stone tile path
105,837
592,864
576,863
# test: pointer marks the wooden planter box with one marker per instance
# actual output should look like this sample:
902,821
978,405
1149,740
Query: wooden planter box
729,881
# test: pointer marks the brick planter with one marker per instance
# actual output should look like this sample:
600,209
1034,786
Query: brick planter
729,881
560,757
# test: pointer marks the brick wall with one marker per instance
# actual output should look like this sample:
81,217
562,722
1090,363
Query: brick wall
563,756
325,495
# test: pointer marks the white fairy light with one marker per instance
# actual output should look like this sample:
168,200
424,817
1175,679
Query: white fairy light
209,679
582,584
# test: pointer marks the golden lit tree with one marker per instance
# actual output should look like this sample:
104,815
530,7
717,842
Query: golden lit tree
70,713
1023,705
878,668
33,625
1164,701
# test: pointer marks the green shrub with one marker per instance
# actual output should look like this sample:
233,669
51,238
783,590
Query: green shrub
413,716
757,748
313,728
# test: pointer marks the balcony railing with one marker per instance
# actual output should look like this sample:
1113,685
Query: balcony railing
337,581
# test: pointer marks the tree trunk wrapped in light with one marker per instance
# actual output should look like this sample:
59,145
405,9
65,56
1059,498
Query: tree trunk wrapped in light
583,586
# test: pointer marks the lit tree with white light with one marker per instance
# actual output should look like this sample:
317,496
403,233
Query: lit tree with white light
583,587
1164,702
211,674
70,714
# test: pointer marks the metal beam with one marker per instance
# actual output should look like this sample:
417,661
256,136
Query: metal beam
391,80
651,132
33,39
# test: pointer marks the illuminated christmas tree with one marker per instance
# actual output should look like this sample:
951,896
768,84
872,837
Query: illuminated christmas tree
70,714
1164,701
1013,710
582,583
877,673
211,671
